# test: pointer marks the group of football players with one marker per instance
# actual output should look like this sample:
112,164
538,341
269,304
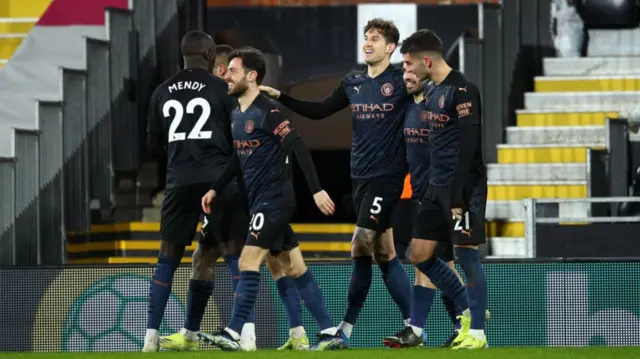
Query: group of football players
228,154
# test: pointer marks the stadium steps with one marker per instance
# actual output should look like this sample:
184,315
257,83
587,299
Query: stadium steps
592,66
545,154
133,201
17,17
574,101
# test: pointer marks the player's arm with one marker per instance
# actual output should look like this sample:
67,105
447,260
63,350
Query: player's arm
281,131
466,101
155,127
231,170
331,104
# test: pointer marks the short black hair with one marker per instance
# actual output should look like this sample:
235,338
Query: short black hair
222,54
423,40
222,50
197,42
252,59
388,29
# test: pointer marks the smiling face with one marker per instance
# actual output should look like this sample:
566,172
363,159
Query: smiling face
237,77
375,47
418,65
412,83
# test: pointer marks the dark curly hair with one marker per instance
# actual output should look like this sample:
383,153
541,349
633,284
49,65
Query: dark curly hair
387,29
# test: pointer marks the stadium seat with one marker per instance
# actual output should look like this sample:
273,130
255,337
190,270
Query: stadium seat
546,154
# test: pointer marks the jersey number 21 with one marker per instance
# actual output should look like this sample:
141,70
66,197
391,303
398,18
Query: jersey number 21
196,132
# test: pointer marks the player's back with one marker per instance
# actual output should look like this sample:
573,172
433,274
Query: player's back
192,111
265,166
378,105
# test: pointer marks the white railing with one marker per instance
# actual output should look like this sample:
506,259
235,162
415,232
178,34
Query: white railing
531,218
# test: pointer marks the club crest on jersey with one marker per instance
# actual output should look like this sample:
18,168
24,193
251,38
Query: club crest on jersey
441,101
248,127
424,116
387,89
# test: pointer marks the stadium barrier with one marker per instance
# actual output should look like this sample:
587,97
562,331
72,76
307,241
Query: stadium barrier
532,303
138,242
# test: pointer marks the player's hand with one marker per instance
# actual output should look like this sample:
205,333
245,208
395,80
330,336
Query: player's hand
207,199
271,92
324,203
457,213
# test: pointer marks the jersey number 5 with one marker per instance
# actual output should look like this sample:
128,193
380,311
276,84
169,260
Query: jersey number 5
196,133
460,226
376,206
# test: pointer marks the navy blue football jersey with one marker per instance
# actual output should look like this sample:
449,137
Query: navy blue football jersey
378,107
191,112
260,134
377,110
452,103
416,133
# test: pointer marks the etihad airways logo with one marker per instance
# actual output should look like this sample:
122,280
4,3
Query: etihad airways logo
371,111
437,120
416,135
245,147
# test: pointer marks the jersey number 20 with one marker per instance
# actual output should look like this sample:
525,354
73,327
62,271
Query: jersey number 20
196,133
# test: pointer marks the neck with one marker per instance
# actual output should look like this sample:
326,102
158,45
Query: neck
195,64
247,98
378,68
418,97
440,71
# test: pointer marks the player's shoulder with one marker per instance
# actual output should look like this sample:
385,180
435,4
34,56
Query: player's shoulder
460,84
218,84
395,76
163,89
395,70
355,76
266,105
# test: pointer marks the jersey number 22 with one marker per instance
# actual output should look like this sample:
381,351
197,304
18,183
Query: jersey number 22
196,133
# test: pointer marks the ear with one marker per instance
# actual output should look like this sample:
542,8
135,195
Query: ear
221,69
252,76
391,48
428,60
209,55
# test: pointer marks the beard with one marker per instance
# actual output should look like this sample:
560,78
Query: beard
415,90
238,89
423,73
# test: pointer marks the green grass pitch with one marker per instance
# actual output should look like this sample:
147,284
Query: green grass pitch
492,353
